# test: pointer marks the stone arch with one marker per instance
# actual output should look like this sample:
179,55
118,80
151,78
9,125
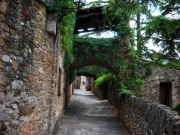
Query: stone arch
88,62
108,53
86,74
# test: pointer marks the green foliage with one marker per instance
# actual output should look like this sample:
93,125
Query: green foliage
85,47
118,52
147,66
60,7
177,108
92,71
115,14
72,76
163,32
103,79
67,28
124,90
66,22
134,77
170,7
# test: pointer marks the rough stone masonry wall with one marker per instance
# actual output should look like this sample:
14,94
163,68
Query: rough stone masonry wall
143,117
152,84
102,92
30,63
113,97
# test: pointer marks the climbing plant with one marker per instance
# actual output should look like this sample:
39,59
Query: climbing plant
103,79
85,47
66,22
122,58
118,52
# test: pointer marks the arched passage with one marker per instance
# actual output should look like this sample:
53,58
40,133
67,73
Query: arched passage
102,52
114,54
88,62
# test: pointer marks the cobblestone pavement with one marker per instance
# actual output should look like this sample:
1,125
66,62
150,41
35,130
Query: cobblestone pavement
88,115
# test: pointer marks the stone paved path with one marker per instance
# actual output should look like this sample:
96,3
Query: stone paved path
88,115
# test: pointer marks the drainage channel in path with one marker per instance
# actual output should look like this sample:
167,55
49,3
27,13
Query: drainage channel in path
88,115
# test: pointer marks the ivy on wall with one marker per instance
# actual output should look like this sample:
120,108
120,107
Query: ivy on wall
85,47
119,51
122,57
66,22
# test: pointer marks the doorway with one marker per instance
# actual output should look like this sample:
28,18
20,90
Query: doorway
166,93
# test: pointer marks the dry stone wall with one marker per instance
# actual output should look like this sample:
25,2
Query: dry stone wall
144,117
31,61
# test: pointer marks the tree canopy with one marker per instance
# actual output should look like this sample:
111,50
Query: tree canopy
163,30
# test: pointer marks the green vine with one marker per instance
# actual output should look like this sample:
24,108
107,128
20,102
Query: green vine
85,47
67,28
118,52
123,59
103,79
66,25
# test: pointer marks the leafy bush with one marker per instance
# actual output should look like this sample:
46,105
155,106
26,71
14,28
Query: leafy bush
177,108
103,79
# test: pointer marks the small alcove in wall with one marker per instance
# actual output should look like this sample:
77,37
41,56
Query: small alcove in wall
166,93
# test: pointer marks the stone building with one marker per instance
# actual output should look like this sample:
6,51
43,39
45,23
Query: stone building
77,82
83,82
163,86
32,77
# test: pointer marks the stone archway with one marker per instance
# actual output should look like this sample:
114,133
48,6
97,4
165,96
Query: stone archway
88,62
101,52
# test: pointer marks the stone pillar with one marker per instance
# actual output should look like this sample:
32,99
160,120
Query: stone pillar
112,94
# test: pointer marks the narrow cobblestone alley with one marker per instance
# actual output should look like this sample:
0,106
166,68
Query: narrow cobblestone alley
88,115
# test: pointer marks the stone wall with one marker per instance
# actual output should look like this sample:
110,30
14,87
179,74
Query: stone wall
152,84
68,91
102,92
143,117
31,71
93,91
88,83
113,97
77,82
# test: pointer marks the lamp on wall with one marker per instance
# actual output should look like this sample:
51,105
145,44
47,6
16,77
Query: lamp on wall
79,3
